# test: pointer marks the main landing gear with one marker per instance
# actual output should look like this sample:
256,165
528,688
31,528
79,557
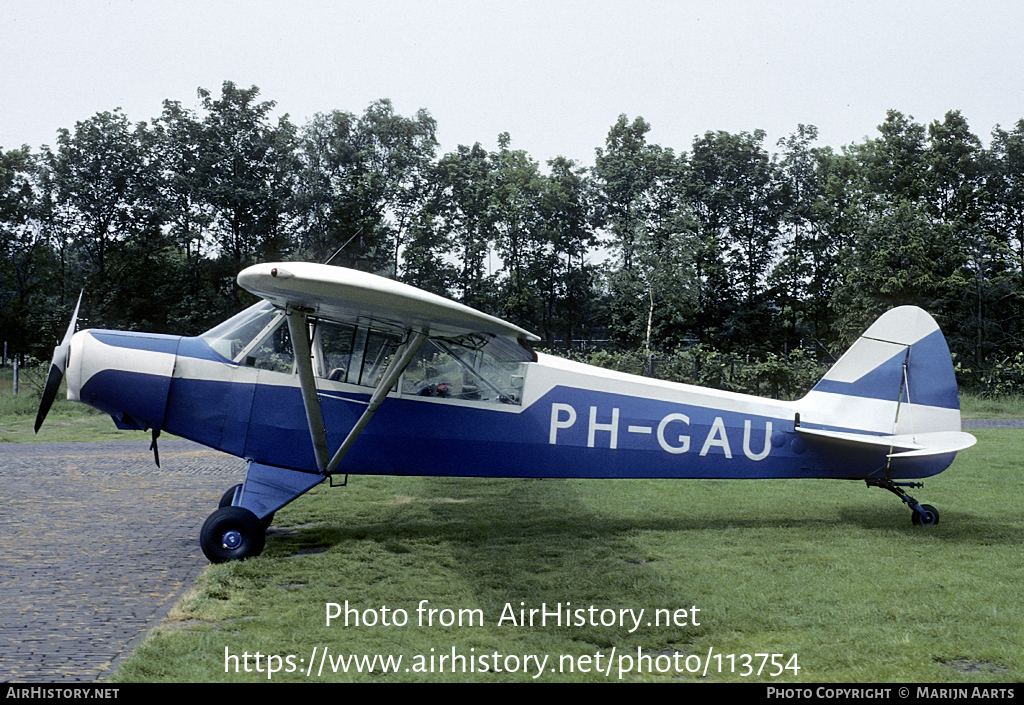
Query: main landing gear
232,533
922,514
238,528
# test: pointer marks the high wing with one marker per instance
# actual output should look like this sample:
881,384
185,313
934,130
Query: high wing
346,294
304,289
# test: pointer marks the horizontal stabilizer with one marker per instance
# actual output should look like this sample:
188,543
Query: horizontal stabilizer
938,443
911,444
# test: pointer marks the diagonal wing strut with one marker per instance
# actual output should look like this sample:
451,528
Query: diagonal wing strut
304,366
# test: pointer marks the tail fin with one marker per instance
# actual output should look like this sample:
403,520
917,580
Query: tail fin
896,379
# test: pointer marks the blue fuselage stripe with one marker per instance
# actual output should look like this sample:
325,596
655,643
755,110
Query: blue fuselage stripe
569,432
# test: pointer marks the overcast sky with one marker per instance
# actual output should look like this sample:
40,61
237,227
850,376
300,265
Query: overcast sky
554,74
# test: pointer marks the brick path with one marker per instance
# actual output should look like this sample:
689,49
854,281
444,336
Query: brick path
968,424
96,546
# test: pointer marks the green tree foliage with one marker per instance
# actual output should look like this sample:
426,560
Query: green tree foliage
651,285
361,182
566,279
725,264
246,175
27,267
458,208
100,184
741,199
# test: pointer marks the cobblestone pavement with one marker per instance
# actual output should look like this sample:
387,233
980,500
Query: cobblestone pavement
96,546
992,423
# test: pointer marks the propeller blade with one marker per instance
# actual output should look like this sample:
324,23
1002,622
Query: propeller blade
153,446
57,369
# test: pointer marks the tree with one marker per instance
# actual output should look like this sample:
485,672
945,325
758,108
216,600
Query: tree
1006,185
27,275
565,279
362,182
640,209
101,184
959,203
817,226
458,217
176,145
516,193
246,174
892,262
740,201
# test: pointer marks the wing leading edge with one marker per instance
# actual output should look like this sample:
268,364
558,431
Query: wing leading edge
346,294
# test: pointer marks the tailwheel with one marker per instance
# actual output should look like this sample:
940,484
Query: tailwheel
927,516
232,533
921,514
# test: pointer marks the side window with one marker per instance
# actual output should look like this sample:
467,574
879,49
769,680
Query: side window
273,352
334,345
474,372
351,354
380,347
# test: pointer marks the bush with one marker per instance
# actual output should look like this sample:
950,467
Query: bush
780,377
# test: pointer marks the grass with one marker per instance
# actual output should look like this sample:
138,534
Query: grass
973,406
66,422
831,572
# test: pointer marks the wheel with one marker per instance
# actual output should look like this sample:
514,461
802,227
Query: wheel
231,533
928,516
227,497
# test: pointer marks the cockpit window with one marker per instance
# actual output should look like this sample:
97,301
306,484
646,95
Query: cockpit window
471,369
256,337
352,354
243,330
334,348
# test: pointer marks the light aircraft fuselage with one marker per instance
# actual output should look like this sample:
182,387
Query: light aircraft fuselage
293,385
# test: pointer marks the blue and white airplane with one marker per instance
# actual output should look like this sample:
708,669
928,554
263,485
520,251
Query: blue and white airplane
340,372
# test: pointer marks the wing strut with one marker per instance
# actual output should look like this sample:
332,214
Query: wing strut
304,366
401,359
307,383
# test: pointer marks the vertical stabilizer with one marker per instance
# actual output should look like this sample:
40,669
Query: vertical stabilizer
897,378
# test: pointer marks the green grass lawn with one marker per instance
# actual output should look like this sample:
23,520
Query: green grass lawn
831,576
67,421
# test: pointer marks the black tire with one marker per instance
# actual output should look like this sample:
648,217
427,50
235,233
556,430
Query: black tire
225,500
928,516
231,534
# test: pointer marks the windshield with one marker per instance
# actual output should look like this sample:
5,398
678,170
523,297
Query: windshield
235,337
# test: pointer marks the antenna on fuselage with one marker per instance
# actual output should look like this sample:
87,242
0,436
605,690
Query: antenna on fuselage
338,251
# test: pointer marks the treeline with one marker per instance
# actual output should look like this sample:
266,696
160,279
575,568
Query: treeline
744,252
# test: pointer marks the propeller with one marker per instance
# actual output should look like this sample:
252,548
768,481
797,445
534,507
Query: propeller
57,368
153,447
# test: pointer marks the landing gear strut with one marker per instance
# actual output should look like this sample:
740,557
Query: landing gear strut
238,528
922,514
229,496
